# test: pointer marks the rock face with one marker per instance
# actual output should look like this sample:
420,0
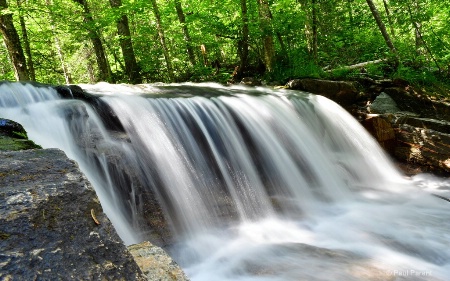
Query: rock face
423,141
52,225
419,136
155,263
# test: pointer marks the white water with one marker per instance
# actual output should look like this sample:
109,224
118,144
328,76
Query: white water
256,184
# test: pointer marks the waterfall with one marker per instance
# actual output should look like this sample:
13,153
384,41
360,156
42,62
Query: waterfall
245,184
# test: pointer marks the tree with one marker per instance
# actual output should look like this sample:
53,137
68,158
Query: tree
184,28
99,40
26,43
314,31
265,21
123,30
389,17
102,63
12,42
382,28
243,41
420,41
162,39
59,50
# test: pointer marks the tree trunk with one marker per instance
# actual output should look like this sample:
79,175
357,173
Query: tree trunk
243,42
162,39
12,42
102,63
65,69
123,30
26,43
382,28
389,17
90,68
356,66
265,23
187,37
419,39
314,31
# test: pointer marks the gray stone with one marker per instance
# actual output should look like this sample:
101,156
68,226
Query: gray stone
52,226
383,104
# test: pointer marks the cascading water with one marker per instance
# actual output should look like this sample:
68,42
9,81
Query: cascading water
254,184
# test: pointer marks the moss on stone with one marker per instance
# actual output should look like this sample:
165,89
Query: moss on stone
14,144
13,137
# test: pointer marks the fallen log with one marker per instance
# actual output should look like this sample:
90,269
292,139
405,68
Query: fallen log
355,66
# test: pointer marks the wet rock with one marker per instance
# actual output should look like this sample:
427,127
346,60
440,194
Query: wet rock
251,81
52,226
322,264
155,263
12,129
380,127
342,92
107,115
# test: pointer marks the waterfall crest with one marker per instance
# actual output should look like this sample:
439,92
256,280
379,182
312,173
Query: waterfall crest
253,184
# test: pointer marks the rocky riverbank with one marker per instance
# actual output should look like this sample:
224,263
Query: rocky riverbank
411,126
52,226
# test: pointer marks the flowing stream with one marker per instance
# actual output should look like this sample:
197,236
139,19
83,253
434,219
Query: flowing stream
252,184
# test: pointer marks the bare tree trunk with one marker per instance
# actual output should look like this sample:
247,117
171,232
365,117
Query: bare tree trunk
26,43
243,42
162,39
123,29
65,69
382,28
67,76
314,31
187,37
389,17
419,39
12,42
265,23
102,63
417,27
90,68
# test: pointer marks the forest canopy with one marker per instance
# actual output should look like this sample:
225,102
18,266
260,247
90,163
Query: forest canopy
135,41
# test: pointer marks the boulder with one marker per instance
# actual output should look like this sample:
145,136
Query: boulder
342,92
52,225
155,263
14,137
383,103
381,128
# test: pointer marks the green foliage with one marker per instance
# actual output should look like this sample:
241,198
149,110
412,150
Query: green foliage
301,67
346,34
421,76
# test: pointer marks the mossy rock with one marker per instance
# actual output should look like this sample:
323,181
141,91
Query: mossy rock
13,137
